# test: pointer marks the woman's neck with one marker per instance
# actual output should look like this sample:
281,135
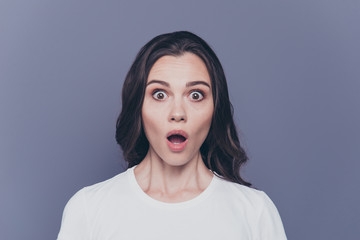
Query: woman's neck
168,183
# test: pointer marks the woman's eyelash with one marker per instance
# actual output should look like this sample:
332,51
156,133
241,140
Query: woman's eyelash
156,92
200,92
164,94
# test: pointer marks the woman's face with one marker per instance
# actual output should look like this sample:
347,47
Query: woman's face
177,108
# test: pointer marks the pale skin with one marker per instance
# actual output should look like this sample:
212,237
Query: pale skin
178,96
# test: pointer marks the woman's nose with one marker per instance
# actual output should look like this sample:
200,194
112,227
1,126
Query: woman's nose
177,112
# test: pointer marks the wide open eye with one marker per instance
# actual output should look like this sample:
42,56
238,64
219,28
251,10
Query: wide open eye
196,95
159,95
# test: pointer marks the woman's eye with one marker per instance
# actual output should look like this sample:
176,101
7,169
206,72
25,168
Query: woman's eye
159,95
196,95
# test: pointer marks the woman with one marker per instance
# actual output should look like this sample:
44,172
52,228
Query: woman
178,136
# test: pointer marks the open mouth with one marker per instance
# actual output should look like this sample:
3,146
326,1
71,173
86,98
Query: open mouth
176,138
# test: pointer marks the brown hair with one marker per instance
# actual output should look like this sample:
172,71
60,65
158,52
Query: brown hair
221,150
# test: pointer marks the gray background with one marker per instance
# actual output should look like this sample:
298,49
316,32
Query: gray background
293,74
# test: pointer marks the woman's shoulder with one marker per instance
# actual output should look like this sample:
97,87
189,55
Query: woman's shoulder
91,202
114,186
113,182
243,193
256,206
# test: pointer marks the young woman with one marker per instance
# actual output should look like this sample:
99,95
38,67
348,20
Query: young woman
178,136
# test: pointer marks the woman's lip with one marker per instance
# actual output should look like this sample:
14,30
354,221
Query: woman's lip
177,132
176,147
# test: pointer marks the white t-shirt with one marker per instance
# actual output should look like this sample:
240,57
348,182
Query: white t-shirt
119,209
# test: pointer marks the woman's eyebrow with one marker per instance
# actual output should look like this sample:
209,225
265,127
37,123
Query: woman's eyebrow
190,84
158,81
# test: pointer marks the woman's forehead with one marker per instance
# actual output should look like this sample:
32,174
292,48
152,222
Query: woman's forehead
186,67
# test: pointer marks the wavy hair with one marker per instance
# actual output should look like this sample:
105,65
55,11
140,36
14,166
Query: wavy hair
221,150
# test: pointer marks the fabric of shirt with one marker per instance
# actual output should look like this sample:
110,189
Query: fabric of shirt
119,209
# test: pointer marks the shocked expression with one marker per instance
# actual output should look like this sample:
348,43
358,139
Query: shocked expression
177,108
